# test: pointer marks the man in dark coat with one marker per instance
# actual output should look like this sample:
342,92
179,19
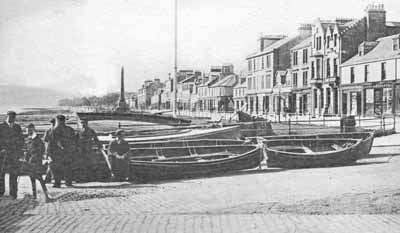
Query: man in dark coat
34,158
118,151
12,142
64,140
49,148
87,137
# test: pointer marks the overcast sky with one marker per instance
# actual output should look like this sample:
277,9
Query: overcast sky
79,45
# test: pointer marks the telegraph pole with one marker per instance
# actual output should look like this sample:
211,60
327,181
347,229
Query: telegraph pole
175,80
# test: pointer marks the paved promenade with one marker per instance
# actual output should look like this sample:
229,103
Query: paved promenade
361,198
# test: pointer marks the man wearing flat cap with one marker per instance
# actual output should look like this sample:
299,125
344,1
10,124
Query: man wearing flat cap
11,143
64,140
87,138
119,152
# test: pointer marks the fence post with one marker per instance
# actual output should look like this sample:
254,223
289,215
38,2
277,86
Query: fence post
323,119
119,125
359,120
289,125
383,123
309,118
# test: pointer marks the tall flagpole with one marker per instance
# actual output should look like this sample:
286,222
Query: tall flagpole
175,80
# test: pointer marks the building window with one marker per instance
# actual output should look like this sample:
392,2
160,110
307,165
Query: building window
366,73
383,71
335,67
268,61
249,83
262,62
262,82
283,79
328,68
295,58
305,74
318,68
327,41
335,40
254,83
249,65
254,64
319,43
315,97
352,75
305,56
312,70
294,79
268,81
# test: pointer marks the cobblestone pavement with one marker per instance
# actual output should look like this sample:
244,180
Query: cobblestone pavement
267,200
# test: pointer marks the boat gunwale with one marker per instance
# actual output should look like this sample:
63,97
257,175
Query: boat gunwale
190,135
316,136
316,155
189,140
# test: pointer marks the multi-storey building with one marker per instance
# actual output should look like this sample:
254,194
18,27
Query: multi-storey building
333,43
300,74
370,84
263,92
149,88
239,97
205,97
221,93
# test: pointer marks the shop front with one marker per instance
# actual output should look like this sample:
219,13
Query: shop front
371,99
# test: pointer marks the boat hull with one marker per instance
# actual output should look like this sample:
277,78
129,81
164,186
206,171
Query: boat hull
282,159
148,170
167,149
132,116
366,137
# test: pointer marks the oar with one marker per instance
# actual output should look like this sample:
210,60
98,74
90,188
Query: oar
107,161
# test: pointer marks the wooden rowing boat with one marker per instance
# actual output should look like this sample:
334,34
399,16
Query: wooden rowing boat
229,132
367,138
133,116
197,161
313,152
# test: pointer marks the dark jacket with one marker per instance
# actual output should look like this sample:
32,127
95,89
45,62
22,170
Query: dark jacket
86,138
63,139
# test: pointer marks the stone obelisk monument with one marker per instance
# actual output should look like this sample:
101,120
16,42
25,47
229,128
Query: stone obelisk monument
122,105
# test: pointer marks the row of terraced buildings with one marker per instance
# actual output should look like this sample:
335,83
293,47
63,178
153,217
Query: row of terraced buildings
331,67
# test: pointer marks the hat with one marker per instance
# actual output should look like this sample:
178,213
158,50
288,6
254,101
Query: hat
60,117
118,132
53,120
11,113
31,125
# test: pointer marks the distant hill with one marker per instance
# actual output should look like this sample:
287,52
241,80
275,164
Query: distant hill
11,95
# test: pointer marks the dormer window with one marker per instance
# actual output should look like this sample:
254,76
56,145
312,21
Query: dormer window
396,43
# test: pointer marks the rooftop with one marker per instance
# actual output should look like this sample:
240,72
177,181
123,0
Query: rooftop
382,51
228,81
305,43
273,46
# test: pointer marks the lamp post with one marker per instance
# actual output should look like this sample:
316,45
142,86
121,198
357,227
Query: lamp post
279,104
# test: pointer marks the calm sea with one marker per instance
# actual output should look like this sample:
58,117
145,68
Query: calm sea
16,108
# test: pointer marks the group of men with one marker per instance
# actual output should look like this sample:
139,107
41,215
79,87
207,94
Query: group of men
60,144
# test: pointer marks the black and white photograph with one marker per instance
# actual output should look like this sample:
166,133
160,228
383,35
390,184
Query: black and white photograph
181,116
